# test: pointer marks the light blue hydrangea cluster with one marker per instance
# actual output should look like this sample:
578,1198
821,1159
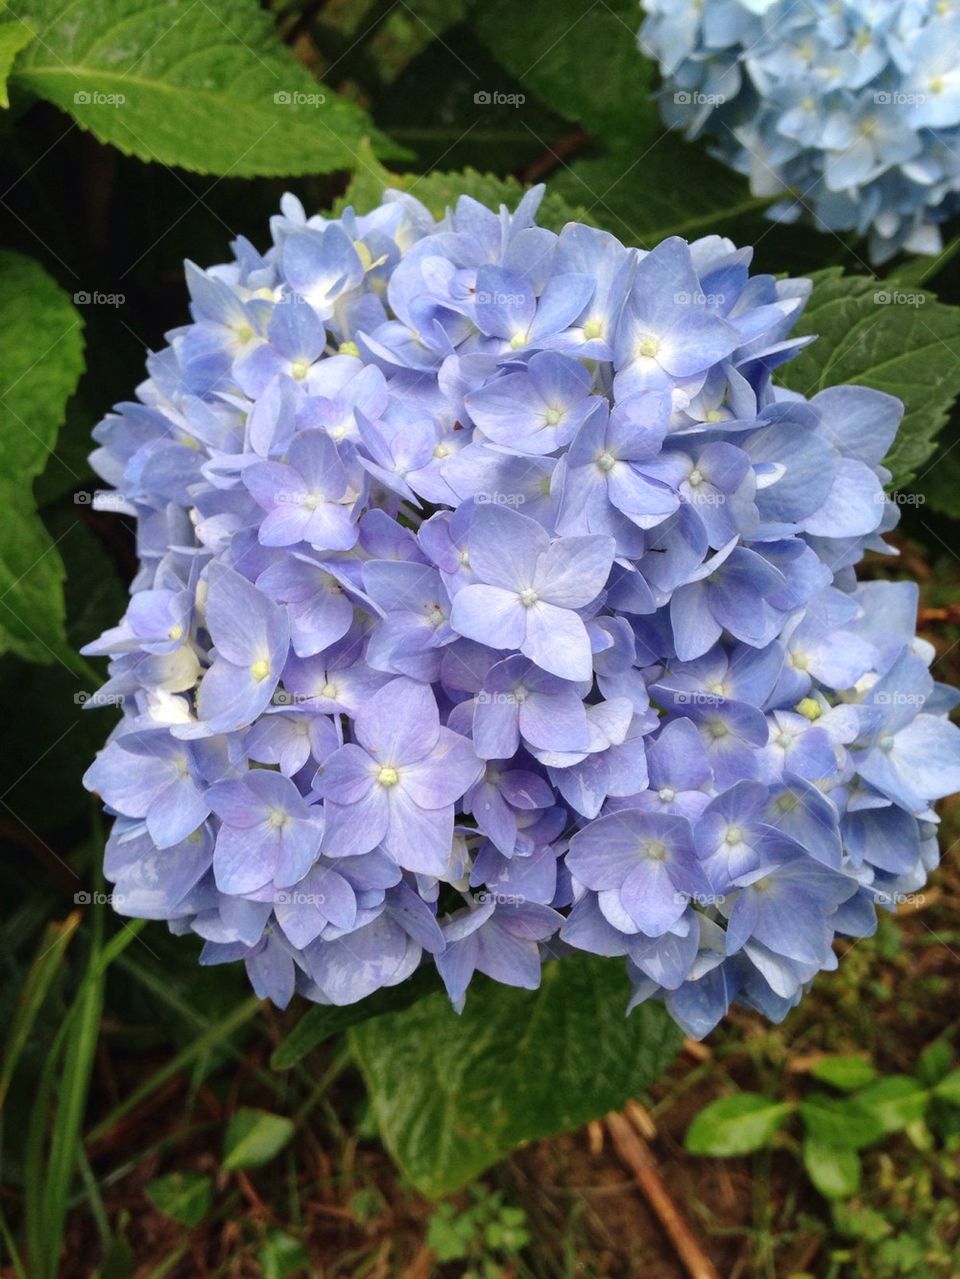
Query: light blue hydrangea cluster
848,108
495,603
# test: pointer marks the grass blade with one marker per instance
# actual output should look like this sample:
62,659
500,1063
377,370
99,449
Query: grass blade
56,938
81,1046
203,1043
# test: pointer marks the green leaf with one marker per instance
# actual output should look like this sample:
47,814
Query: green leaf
32,615
834,1170
184,1196
119,1260
440,191
322,1021
925,267
840,1121
896,1101
41,359
643,198
453,1094
736,1125
861,1223
207,87
939,480
934,1061
254,1137
948,1089
581,59
282,1256
900,341
14,36
846,1073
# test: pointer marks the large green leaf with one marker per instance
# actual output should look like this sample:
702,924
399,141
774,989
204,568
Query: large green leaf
937,481
643,193
322,1021
581,58
440,191
643,196
32,614
14,36
877,334
208,87
41,358
453,1094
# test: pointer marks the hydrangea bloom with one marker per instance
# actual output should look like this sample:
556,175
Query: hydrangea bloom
850,109
495,603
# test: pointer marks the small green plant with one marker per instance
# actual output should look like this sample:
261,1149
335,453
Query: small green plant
863,1109
485,1234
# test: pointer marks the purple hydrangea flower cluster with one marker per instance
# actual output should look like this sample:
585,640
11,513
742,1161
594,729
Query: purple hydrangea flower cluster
495,603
